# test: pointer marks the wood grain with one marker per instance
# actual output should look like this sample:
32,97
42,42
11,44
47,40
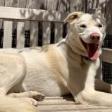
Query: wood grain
7,40
20,35
60,104
33,34
30,14
107,55
46,33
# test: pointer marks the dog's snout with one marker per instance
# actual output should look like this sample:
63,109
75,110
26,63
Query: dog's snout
95,36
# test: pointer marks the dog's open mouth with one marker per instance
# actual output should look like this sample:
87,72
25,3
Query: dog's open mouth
92,50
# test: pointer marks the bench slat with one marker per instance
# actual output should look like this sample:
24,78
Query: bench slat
46,33
107,55
68,105
58,32
34,34
7,39
20,35
12,13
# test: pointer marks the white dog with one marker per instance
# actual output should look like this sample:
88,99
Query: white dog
69,66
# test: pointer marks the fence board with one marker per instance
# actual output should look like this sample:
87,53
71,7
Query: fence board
10,3
35,4
7,40
20,35
2,2
21,3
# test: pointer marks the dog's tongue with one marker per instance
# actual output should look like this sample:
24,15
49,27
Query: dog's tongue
93,52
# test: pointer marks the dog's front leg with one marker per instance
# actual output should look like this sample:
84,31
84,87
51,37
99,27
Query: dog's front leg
95,97
88,94
91,96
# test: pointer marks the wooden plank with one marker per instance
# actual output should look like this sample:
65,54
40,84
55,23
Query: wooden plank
27,33
46,33
56,102
2,2
9,3
20,35
55,4
107,8
11,13
33,25
21,3
59,5
58,32
7,40
107,55
72,107
1,22
35,4
34,34
59,104
96,110
76,5
99,72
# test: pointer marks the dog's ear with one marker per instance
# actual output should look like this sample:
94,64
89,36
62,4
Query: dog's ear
72,16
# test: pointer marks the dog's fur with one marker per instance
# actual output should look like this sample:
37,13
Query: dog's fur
61,68
8,104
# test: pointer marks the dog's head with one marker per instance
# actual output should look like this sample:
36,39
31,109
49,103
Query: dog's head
89,30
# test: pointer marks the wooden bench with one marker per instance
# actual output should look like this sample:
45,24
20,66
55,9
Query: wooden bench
32,20
42,25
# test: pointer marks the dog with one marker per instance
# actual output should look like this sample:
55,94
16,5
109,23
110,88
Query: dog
69,66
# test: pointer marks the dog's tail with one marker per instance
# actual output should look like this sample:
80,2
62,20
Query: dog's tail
9,104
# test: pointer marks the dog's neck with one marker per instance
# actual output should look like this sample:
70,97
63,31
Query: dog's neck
75,44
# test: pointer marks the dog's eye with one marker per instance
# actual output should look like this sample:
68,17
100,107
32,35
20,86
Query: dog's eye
83,26
100,25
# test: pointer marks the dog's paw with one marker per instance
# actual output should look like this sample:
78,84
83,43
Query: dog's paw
36,95
30,100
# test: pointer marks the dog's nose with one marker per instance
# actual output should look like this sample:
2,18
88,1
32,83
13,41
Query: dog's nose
95,36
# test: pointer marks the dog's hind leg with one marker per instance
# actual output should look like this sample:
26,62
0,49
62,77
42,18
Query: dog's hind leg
12,72
8,104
